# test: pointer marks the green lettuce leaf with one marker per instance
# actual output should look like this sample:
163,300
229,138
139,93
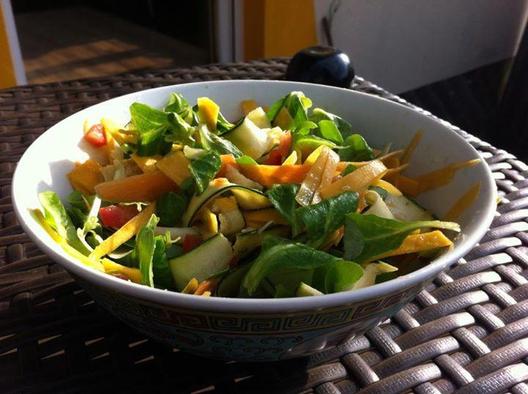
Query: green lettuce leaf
210,141
329,131
79,207
319,114
78,200
229,286
322,219
57,217
283,199
283,265
170,208
153,142
356,149
145,118
275,108
178,104
339,276
367,236
204,168
178,130
157,130
160,265
144,249
308,143
223,125
297,105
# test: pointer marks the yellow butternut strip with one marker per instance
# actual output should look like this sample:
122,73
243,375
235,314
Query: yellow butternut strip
327,176
415,243
268,175
442,176
146,163
388,159
407,185
247,106
465,164
393,173
207,286
357,180
387,186
407,153
112,267
142,187
256,219
110,146
392,162
84,177
176,166
208,111
390,155
312,181
114,130
39,217
312,157
209,223
291,159
122,235
396,170
463,203
191,286
283,119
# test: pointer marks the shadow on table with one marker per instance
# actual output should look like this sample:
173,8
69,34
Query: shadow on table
64,342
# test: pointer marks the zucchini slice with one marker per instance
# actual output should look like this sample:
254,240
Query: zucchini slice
305,290
250,139
377,206
229,286
207,260
247,198
405,209
229,216
249,241
370,272
259,118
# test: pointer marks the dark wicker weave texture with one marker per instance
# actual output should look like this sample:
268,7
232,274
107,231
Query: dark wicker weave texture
468,331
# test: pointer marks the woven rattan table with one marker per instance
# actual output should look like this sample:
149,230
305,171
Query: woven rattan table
468,332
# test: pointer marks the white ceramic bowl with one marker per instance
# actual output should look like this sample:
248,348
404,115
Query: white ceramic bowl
260,329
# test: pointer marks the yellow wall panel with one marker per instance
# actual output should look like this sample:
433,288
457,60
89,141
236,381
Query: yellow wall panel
277,27
7,70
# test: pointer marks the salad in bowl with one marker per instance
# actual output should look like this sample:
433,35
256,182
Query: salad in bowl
288,200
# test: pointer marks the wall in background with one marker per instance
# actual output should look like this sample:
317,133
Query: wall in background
11,65
406,44
275,28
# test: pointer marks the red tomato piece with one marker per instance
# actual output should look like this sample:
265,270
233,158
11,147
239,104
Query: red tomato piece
234,261
115,216
96,135
274,158
281,152
191,241
285,144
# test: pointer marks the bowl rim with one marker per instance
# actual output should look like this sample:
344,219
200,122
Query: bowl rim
259,305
